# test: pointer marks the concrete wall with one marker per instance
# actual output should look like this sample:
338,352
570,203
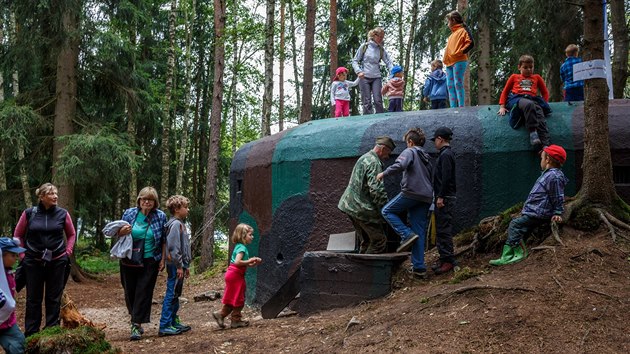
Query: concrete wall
287,185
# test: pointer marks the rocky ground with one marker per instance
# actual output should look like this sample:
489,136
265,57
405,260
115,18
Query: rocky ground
573,298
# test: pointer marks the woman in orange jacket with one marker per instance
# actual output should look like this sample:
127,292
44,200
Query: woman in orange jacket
459,43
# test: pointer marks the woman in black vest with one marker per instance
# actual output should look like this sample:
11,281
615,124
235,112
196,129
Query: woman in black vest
40,230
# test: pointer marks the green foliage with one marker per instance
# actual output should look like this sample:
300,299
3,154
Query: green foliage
81,340
97,158
18,124
98,263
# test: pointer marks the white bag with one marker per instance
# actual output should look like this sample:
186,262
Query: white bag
123,247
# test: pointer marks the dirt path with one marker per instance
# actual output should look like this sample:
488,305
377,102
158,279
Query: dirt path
571,299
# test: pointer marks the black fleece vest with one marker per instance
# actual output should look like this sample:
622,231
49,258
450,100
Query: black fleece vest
45,231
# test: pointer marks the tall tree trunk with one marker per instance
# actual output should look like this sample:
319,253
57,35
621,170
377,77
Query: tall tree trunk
309,48
187,87
369,14
294,52
410,41
281,58
618,14
210,201
26,192
484,71
267,95
462,6
334,61
168,98
232,93
597,184
3,176
66,104
131,134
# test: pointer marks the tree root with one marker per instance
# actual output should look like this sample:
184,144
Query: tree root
555,232
72,318
464,289
611,229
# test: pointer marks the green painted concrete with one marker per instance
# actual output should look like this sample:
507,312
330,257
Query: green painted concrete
508,178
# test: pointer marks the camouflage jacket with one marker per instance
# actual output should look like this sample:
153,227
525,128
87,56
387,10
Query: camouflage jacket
364,197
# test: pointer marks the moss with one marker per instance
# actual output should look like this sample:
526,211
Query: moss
466,236
506,215
585,219
621,210
465,273
81,340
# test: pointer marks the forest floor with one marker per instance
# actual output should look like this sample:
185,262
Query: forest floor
571,299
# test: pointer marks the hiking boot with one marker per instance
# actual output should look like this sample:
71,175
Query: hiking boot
217,317
135,332
444,268
406,245
506,256
534,139
168,331
238,324
420,274
180,326
520,253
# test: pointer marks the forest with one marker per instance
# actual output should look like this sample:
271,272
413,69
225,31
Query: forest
105,97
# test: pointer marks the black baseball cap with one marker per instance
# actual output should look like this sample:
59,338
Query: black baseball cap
442,132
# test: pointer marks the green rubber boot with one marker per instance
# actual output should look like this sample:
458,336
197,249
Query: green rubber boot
508,253
520,253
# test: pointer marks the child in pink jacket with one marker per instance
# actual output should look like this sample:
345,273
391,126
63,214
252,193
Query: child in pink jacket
394,89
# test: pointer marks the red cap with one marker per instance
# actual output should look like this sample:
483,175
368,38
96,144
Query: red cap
556,152
340,70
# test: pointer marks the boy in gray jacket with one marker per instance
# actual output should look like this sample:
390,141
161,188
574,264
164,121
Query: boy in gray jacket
414,198
178,258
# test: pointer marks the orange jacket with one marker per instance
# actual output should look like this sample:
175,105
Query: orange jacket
458,45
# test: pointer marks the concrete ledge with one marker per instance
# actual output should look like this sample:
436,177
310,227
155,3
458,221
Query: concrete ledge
330,280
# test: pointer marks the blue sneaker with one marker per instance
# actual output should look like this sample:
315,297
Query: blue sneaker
179,325
168,331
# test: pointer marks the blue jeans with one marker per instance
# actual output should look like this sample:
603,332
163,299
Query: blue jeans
395,105
522,226
12,340
416,216
170,305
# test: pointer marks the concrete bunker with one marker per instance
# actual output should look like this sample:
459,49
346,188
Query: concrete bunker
287,185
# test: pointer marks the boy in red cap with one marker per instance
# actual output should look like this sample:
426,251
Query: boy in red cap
544,203
340,92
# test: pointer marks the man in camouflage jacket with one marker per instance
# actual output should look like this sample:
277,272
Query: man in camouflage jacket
365,196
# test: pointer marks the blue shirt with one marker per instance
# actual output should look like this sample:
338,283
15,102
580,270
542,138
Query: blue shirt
566,73
546,198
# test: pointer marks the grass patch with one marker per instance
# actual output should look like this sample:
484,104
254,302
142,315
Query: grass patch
81,340
98,263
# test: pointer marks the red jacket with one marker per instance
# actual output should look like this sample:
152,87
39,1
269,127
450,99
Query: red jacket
521,85
11,281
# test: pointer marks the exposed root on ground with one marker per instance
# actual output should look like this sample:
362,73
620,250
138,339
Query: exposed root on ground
464,289
72,318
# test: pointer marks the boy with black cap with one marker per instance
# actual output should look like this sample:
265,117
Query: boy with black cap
545,202
11,337
444,190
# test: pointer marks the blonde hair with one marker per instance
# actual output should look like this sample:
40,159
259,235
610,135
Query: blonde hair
375,31
572,50
525,59
240,232
175,202
45,189
437,63
149,192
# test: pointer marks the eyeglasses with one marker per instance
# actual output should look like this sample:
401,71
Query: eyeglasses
146,200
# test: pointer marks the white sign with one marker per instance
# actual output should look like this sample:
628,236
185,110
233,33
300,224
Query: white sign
594,69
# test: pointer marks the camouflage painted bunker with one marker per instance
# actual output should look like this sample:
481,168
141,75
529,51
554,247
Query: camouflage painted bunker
287,185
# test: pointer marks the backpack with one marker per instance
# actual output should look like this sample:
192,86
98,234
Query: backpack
364,47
